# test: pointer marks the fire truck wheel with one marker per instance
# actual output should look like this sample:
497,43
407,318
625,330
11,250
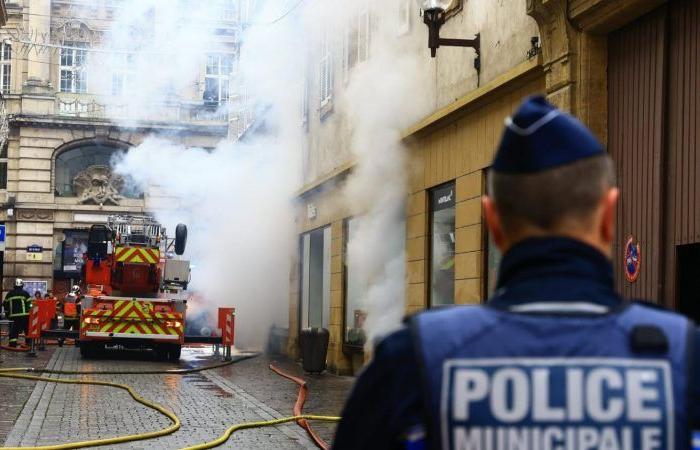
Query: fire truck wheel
168,352
174,353
87,350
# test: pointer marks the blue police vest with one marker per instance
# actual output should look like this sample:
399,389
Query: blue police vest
505,380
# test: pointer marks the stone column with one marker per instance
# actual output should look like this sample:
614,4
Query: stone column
575,64
38,67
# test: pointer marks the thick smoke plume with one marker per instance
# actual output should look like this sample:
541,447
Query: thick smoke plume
238,199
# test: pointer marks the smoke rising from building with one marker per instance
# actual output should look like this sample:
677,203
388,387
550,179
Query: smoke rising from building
238,199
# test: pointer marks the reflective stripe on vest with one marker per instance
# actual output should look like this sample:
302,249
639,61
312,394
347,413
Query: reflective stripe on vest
495,379
18,306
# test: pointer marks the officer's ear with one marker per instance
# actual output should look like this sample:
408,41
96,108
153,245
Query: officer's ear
493,222
609,206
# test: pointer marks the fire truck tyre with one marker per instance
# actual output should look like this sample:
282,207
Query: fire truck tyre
87,350
180,238
174,353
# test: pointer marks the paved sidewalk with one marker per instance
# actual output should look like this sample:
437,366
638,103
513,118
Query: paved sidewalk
206,402
14,395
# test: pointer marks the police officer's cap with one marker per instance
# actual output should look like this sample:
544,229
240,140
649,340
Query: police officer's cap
540,137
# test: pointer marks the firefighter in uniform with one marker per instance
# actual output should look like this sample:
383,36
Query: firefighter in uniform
556,359
17,305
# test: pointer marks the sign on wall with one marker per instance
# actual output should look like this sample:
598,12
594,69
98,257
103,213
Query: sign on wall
2,238
632,259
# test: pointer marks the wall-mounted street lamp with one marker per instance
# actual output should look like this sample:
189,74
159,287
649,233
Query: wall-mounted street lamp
434,12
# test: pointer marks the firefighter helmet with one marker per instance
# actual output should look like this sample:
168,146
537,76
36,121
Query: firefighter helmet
19,282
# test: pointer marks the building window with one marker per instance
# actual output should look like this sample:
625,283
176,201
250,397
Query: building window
315,278
305,99
442,248
326,71
73,67
403,16
123,74
72,250
216,80
493,262
3,165
357,37
76,161
5,66
356,286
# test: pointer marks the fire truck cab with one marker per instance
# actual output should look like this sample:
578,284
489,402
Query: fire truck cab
128,302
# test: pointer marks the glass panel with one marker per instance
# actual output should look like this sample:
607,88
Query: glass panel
315,278
211,90
355,286
6,78
71,162
3,175
3,150
442,257
74,247
66,57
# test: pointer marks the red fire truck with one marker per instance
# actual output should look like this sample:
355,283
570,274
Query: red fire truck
133,284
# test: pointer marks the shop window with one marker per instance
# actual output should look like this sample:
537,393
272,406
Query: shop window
80,160
73,67
442,245
73,249
315,278
356,286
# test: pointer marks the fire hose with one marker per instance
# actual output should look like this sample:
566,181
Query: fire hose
175,421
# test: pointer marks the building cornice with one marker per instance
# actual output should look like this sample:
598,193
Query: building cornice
604,16
54,121
519,74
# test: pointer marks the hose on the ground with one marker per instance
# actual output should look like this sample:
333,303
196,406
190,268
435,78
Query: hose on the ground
265,423
19,348
299,406
239,358
299,418
106,441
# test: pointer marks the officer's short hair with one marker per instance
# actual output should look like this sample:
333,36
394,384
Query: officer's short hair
545,199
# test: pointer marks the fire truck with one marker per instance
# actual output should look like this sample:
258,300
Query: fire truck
134,280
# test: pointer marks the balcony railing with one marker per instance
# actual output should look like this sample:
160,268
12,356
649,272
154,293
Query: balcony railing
91,107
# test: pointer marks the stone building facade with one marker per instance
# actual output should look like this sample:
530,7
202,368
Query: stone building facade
61,138
623,66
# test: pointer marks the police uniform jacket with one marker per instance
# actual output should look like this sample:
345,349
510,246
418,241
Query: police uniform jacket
388,406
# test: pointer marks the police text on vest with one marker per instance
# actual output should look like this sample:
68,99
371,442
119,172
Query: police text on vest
558,404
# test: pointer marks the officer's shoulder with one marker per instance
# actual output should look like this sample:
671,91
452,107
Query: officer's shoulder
396,345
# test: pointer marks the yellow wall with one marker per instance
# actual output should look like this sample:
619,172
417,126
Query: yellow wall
446,148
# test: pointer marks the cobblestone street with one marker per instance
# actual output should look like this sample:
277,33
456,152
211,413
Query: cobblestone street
207,402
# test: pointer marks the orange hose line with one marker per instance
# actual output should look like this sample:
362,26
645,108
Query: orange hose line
299,405
19,348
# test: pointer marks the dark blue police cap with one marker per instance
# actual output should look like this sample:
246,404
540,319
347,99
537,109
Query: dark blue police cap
540,137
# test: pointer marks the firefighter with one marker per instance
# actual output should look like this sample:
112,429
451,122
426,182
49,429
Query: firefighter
556,359
17,305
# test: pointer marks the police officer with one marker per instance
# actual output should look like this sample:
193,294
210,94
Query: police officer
17,305
556,359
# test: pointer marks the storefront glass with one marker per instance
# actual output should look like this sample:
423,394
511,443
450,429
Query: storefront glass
316,278
74,247
442,249
355,286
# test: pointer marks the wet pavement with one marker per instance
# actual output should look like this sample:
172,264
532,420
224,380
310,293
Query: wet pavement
206,402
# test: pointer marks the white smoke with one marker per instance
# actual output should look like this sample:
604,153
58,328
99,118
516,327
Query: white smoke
238,198
385,95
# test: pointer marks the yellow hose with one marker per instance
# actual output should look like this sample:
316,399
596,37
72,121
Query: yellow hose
265,423
9,373
115,440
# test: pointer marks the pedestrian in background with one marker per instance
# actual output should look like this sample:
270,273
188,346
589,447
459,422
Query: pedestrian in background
556,359
17,305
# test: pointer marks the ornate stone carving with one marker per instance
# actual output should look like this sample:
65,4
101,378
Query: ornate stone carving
98,185
37,215
66,29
